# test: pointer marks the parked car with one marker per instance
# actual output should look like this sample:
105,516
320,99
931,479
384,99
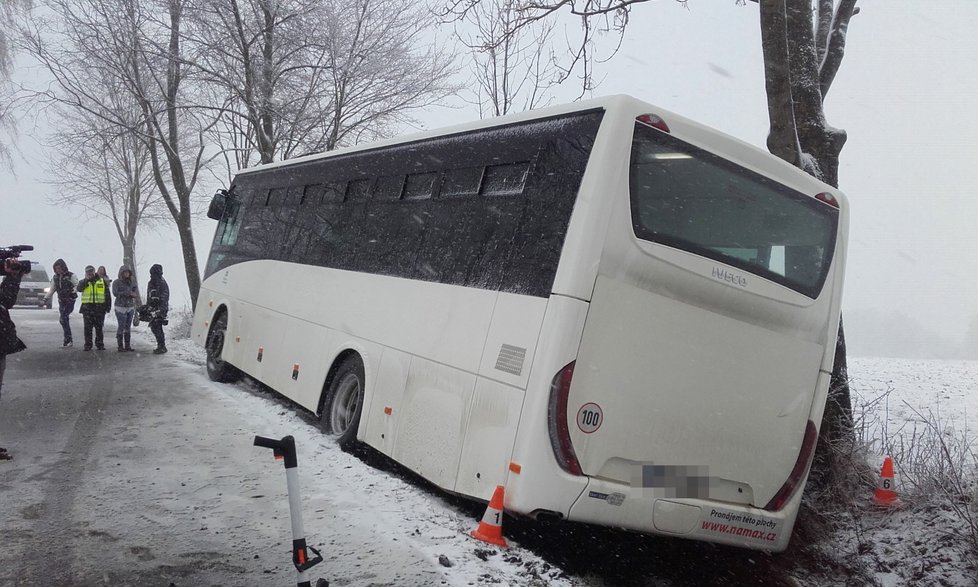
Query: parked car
33,286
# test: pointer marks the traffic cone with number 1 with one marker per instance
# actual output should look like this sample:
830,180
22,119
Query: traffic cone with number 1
491,527
885,495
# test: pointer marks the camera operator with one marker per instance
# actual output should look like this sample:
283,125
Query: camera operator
13,270
158,303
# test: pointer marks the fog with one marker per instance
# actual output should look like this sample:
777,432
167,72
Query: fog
903,95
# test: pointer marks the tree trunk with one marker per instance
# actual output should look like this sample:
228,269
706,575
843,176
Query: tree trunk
190,265
800,135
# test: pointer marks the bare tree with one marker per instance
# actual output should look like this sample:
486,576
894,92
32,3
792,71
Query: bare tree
300,76
380,69
135,45
107,174
512,66
9,10
264,65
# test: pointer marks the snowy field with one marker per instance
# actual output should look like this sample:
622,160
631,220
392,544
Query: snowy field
895,397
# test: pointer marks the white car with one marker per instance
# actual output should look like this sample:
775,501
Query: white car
33,288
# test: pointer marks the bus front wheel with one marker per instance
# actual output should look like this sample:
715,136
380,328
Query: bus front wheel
217,368
344,403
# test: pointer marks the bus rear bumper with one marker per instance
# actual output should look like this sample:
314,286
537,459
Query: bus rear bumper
614,504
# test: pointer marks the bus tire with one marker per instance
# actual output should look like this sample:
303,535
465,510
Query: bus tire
343,403
217,368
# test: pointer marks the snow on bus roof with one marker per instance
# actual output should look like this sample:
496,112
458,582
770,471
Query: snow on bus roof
604,102
701,135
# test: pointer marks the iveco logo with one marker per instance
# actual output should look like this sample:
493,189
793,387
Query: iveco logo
729,277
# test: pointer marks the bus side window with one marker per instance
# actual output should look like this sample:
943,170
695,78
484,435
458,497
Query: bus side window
388,188
276,197
358,190
333,193
230,223
419,186
461,182
505,180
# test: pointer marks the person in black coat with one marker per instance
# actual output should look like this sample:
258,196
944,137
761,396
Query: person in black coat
158,304
9,342
63,285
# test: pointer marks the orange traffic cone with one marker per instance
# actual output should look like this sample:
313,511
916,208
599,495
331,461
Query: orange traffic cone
886,495
491,527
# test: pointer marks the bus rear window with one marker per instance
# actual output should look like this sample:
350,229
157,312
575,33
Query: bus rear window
689,199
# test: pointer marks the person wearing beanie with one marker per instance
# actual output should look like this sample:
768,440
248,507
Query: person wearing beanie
158,301
63,284
126,295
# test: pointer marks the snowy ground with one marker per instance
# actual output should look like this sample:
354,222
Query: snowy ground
356,515
925,542
184,497
894,397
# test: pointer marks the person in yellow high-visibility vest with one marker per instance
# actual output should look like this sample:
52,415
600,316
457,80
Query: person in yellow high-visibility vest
96,301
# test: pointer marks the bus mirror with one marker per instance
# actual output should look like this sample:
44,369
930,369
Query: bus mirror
218,204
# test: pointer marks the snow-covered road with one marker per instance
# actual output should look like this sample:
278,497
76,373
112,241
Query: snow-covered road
135,469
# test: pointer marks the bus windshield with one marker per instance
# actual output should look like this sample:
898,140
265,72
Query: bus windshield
689,199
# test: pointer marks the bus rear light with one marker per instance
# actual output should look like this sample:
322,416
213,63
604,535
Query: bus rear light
654,121
557,425
798,472
827,198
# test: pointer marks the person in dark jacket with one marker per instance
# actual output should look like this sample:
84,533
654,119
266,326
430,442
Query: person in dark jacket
126,296
9,342
158,301
64,284
96,301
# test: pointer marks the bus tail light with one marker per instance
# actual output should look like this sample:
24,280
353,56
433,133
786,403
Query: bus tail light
655,121
801,465
827,198
557,421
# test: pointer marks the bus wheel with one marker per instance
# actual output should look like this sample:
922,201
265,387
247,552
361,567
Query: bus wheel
217,368
344,403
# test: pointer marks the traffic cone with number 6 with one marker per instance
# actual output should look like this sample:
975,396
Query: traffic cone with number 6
886,495
491,527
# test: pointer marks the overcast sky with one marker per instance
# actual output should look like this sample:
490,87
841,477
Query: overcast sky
904,94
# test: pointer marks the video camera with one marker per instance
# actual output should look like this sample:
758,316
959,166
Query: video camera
12,252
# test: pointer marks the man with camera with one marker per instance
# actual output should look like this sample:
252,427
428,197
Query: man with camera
12,270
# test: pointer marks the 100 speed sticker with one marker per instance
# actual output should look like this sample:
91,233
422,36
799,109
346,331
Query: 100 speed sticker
589,417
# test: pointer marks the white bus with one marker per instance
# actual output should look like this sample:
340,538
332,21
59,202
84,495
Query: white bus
622,316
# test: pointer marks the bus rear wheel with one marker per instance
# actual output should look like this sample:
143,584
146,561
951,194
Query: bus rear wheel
344,403
217,368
